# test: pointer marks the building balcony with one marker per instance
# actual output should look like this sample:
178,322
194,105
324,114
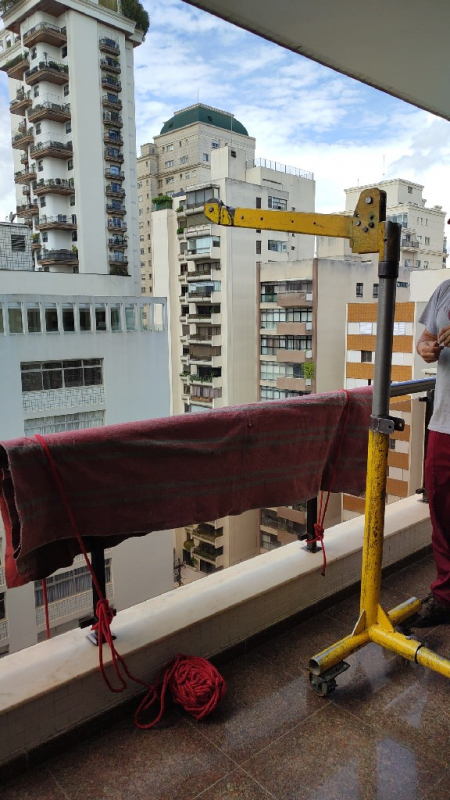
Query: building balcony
113,138
110,192
292,328
115,226
291,384
56,257
27,210
22,137
115,176
35,242
113,118
50,72
60,186
115,258
291,299
108,82
109,46
111,65
207,533
60,222
116,210
16,67
110,155
21,103
55,111
45,32
25,175
293,356
52,149
118,242
108,102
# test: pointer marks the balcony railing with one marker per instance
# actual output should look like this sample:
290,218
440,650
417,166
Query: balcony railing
110,64
112,138
111,83
109,46
22,138
25,175
62,186
61,221
109,102
55,256
47,71
55,148
27,209
117,258
275,165
59,112
114,192
410,243
114,176
16,67
21,102
119,225
112,117
110,155
45,32
117,241
114,209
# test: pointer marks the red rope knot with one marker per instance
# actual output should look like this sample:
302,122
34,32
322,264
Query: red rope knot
319,531
194,683
104,612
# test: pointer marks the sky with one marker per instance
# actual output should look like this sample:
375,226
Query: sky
301,113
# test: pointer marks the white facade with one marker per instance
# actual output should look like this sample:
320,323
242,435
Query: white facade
79,347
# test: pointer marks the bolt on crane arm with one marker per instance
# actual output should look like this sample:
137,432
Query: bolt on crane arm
365,229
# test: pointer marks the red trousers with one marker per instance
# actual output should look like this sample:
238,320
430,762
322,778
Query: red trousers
437,482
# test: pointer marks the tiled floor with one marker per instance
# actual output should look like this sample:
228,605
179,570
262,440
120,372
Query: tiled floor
384,733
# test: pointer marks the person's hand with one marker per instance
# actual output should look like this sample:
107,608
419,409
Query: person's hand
431,350
444,336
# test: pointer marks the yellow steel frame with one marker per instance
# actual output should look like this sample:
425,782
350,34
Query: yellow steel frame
366,231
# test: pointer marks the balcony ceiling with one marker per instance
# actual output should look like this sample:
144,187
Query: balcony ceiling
399,47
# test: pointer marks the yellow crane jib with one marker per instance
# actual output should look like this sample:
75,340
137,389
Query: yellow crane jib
365,228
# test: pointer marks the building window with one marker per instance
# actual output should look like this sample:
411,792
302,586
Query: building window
40,376
258,202
184,159
366,356
64,51
258,247
44,236
100,317
170,180
61,423
168,164
116,324
40,166
2,328
17,243
427,240
277,246
391,444
84,317
130,318
68,318
37,128
70,164
410,189
169,148
72,200
359,290
277,203
205,157
68,127
399,328
425,264
34,318
418,264
366,328
214,145
36,91
51,318
15,318
375,288
42,202
33,53
66,90
233,153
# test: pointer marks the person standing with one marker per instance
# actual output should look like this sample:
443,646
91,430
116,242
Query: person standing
434,345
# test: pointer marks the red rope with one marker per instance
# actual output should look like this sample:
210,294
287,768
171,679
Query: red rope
323,504
47,617
193,682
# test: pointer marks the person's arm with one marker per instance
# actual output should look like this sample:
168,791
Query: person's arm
428,347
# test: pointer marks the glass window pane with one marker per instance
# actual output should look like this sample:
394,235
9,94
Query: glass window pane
158,316
32,381
34,319
115,319
85,318
73,376
15,319
145,318
51,319
130,318
2,329
68,318
52,378
93,376
100,318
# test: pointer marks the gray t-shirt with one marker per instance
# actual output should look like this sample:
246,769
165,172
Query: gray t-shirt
435,316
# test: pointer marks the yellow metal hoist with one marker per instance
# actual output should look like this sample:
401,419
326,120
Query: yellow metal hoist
367,232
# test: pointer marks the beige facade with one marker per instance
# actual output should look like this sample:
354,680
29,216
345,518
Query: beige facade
211,276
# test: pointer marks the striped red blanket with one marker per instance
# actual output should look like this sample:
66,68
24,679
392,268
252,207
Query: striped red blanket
128,480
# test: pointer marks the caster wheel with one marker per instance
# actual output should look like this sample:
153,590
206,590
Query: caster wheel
320,686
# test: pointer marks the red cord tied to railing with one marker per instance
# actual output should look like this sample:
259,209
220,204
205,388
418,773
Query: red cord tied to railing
194,682
319,529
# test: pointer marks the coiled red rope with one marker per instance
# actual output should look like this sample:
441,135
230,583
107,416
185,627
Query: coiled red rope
319,529
194,682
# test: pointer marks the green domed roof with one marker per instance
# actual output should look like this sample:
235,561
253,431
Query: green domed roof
206,114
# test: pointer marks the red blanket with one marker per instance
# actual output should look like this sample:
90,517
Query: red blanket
128,480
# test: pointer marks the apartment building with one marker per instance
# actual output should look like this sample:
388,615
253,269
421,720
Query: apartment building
423,244
211,276
405,447
79,347
180,157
